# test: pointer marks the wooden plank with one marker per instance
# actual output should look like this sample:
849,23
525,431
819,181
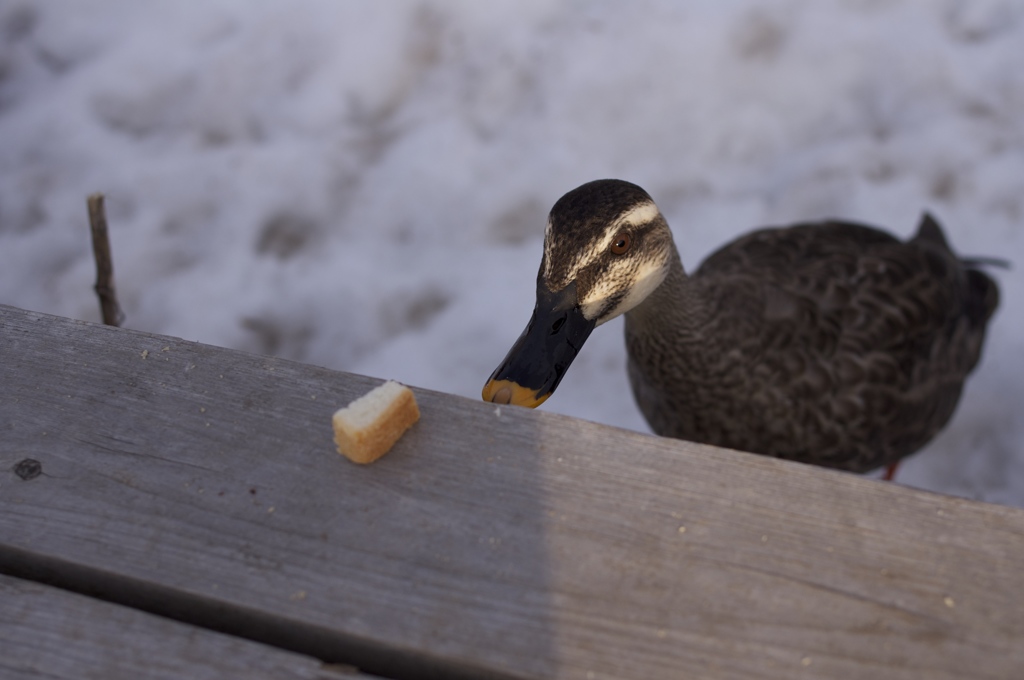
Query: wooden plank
50,633
490,541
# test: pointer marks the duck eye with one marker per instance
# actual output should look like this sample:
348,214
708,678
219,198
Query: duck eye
621,243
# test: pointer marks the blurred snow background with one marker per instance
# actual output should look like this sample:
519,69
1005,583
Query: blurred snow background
363,185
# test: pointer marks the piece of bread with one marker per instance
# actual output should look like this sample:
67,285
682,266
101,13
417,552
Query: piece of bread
367,428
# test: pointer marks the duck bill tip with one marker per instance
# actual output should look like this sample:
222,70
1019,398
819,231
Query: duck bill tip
510,392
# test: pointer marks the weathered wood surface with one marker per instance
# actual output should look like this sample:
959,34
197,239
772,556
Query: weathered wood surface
50,633
201,483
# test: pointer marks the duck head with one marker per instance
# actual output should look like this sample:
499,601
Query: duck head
606,248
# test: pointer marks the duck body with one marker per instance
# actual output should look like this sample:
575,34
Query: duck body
829,343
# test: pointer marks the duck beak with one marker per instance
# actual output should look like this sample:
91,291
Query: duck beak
540,357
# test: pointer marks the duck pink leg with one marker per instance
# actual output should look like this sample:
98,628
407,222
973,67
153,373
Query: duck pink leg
890,471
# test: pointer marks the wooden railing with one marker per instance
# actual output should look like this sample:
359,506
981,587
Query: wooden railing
172,509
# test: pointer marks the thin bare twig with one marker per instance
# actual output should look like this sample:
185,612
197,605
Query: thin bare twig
112,315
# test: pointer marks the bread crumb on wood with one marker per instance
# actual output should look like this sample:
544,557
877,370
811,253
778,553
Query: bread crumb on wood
367,428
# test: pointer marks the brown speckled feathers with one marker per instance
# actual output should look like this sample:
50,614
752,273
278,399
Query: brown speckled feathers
830,343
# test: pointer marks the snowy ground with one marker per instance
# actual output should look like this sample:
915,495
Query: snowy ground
363,185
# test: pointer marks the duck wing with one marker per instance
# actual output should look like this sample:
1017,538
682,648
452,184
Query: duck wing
839,344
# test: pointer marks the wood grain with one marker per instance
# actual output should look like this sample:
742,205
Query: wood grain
490,542
50,633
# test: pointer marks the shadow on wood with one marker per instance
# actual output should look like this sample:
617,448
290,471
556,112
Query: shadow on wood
51,633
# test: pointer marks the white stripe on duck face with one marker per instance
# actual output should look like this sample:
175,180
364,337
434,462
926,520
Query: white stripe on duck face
637,278
637,215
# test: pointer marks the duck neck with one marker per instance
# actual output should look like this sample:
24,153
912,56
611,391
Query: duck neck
675,307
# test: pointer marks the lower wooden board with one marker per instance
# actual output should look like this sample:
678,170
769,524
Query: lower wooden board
491,542
52,634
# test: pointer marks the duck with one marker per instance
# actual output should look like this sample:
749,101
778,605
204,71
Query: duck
831,343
